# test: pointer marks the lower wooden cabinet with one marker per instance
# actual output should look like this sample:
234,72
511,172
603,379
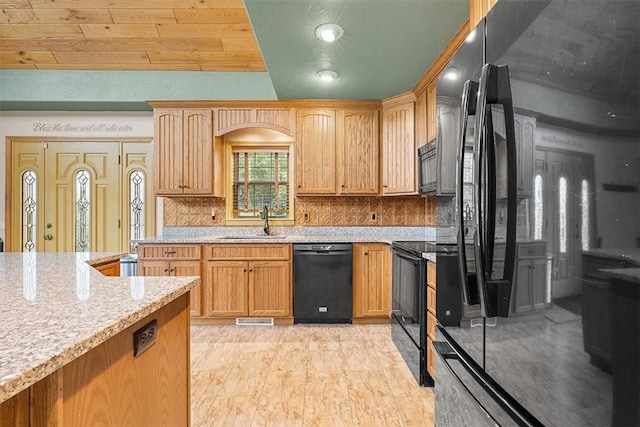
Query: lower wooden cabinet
247,280
248,288
529,284
109,268
371,281
431,318
174,260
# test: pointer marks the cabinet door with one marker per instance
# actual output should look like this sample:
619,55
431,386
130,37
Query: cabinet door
359,152
197,151
525,130
190,268
168,151
153,267
538,278
421,125
226,288
432,127
270,288
371,280
316,152
521,298
399,153
448,118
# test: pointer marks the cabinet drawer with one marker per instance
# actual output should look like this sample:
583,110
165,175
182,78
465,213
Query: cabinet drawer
169,251
431,274
431,299
532,250
248,251
431,325
431,359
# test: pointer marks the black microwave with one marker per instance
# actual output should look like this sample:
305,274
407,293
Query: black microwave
427,168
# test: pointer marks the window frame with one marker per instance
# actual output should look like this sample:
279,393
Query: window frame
279,146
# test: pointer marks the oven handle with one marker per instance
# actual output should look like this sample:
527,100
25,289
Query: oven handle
406,255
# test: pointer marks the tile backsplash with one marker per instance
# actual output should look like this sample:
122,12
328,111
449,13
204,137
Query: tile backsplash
315,211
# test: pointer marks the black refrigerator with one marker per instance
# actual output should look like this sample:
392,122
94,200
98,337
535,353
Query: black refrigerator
546,106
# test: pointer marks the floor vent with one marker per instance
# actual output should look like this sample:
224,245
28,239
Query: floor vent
255,321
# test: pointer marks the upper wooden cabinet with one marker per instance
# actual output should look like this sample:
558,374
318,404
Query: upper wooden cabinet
316,152
184,153
358,156
432,120
478,9
399,155
279,119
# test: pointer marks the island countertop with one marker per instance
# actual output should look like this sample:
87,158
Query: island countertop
55,307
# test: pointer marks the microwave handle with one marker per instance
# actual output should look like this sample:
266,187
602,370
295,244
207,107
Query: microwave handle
468,108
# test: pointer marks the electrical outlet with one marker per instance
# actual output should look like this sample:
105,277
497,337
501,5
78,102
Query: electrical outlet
306,217
373,217
144,337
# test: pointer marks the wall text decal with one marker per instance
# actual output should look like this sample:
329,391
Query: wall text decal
71,127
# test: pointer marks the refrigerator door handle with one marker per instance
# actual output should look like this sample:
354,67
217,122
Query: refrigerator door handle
468,108
495,88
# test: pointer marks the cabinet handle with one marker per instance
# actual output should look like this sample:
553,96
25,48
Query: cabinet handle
170,252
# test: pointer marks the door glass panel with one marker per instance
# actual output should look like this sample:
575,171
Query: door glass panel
136,204
83,182
585,214
29,205
538,207
562,214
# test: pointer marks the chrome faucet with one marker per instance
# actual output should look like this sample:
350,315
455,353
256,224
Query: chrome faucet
265,215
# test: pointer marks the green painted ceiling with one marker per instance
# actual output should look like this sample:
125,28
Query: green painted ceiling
387,47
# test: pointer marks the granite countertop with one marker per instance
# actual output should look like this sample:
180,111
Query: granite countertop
624,254
217,235
55,307
631,275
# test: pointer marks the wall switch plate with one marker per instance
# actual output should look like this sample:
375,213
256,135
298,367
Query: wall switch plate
144,337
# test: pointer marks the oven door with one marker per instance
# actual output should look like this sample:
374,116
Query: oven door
409,311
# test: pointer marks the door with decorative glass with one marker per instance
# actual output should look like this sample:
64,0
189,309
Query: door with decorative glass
78,196
564,181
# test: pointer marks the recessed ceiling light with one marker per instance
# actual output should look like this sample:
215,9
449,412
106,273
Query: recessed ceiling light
451,74
327,75
329,32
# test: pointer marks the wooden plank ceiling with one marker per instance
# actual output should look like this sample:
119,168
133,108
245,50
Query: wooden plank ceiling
154,35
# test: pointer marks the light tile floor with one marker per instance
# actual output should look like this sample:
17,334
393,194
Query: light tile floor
303,375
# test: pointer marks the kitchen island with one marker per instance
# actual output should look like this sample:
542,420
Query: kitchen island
68,336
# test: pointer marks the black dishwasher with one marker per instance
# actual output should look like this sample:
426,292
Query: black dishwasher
322,283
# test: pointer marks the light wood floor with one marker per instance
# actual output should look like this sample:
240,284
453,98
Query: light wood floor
303,375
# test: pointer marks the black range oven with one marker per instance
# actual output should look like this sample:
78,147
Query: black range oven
409,303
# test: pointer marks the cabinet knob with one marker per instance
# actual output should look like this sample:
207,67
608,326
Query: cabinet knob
166,270
250,270
244,270
299,186
366,253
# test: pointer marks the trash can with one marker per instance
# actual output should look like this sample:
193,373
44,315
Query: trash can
129,265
